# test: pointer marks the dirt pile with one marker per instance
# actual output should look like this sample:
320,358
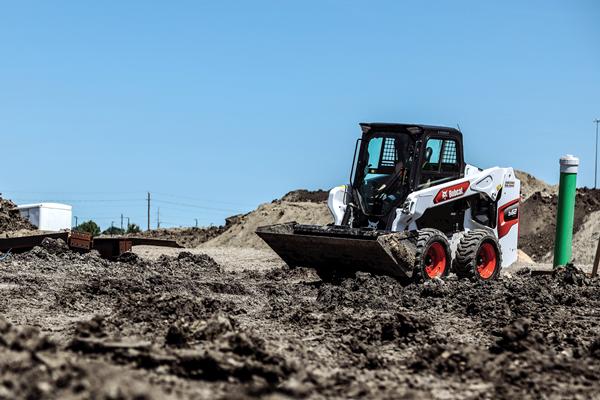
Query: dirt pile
585,239
10,219
186,237
530,185
187,325
235,224
241,233
538,225
303,195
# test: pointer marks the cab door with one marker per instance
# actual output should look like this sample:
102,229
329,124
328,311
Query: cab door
441,161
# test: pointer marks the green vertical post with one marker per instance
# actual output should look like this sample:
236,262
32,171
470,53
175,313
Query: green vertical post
563,245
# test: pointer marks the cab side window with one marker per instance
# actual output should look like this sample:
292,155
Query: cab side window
440,156
432,155
440,161
449,157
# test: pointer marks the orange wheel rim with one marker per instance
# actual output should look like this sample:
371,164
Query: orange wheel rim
435,260
486,260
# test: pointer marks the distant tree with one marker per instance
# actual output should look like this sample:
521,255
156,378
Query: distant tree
133,228
88,227
113,230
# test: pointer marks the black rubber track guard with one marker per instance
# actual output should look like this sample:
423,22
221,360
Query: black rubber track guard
342,248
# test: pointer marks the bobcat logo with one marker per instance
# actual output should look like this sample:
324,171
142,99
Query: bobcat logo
373,224
451,192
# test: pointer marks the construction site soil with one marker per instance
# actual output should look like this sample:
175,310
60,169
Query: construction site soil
192,326
538,224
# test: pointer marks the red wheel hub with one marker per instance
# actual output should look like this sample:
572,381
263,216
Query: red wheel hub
435,260
486,260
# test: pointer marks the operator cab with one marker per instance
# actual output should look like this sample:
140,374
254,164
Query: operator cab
393,161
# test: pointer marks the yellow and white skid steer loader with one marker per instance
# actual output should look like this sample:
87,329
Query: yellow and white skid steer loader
413,209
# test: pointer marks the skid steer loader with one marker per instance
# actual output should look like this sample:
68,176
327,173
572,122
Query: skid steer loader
413,209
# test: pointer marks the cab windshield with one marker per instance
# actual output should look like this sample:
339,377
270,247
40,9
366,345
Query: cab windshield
382,171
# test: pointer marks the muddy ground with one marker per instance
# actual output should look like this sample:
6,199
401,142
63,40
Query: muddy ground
240,325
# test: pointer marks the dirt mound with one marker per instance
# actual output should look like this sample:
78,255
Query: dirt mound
241,234
523,258
10,219
186,237
538,225
303,195
586,238
530,185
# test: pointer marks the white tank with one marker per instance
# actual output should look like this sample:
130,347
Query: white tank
48,216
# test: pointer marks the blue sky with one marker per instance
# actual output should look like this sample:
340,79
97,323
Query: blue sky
215,107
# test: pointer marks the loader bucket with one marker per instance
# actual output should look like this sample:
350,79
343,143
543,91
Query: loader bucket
342,248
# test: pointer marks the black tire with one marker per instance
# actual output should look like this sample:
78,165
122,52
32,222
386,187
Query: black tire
431,244
471,260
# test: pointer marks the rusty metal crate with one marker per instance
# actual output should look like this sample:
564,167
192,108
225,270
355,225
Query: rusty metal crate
112,247
80,241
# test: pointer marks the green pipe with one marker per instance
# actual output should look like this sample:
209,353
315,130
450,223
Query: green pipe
563,244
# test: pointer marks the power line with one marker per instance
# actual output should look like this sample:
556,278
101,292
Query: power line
194,211
77,200
175,196
65,192
197,206
128,200
204,200
172,210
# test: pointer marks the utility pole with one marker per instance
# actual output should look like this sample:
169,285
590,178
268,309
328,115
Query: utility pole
121,221
196,219
158,218
76,222
112,227
128,224
596,121
148,210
